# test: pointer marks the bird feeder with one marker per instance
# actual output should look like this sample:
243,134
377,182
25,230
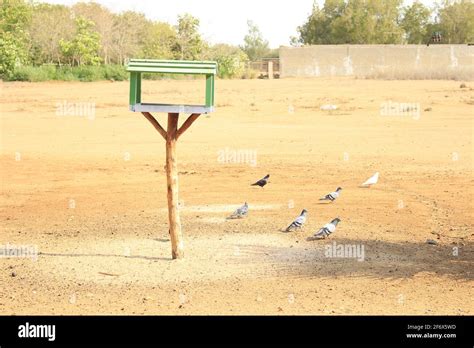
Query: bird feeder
137,67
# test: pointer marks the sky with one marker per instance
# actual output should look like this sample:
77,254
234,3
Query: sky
225,21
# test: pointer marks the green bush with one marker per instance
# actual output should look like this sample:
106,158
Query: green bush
64,73
115,72
89,73
231,60
67,73
158,76
32,74
250,73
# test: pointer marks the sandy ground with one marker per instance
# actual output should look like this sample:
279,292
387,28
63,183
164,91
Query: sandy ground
90,194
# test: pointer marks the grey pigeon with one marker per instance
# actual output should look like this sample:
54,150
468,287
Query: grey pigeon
240,212
332,196
327,229
262,182
299,221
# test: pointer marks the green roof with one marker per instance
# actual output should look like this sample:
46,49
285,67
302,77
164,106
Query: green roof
172,66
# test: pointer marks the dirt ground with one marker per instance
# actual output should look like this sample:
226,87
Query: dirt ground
90,193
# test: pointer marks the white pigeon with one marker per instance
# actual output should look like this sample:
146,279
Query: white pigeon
372,180
240,212
327,229
299,221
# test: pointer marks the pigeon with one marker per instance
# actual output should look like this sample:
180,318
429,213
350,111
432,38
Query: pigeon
327,229
332,196
240,212
299,221
262,182
372,180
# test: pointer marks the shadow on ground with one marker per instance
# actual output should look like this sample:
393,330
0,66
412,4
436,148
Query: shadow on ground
381,259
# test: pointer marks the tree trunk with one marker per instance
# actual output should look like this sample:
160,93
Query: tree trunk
177,247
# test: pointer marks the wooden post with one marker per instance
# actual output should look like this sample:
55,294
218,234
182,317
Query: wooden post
171,136
177,246
270,70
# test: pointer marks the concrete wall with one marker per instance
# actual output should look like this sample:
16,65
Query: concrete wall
404,61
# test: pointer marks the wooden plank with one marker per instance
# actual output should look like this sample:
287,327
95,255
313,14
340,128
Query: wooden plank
155,124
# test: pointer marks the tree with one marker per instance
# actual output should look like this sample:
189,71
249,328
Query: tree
84,47
255,46
129,30
49,24
14,19
188,44
366,22
415,23
387,27
103,21
159,41
456,21
232,61
317,29
353,22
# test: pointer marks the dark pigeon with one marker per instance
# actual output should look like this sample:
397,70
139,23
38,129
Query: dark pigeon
262,182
